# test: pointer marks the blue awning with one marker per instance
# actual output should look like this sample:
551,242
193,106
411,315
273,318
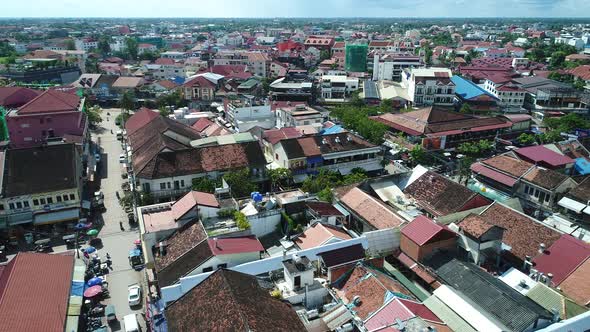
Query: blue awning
57,216
582,166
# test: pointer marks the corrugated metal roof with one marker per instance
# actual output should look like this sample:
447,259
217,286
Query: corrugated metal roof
454,321
550,299
422,229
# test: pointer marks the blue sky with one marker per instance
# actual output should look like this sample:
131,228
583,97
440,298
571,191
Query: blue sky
296,8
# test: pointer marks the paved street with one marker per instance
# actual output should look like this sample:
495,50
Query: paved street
116,242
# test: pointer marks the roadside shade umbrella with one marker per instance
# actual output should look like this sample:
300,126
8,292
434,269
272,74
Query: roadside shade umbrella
92,232
94,281
93,291
137,242
90,250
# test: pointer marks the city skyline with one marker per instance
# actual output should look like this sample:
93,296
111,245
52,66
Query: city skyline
303,8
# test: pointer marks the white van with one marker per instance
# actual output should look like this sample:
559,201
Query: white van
131,324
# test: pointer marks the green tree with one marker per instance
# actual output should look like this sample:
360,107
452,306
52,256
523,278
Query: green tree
201,38
279,176
326,195
324,55
93,114
6,50
70,45
465,109
241,220
358,120
386,106
174,99
203,184
417,154
91,65
131,48
239,182
127,101
526,139
324,179
149,55
104,46
557,59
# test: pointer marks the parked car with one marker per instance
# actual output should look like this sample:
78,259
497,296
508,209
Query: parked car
110,313
134,295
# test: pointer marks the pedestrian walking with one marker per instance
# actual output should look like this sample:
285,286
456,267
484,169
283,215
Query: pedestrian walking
108,256
121,226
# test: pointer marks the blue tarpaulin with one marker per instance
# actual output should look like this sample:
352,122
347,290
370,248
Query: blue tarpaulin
582,166
134,252
77,288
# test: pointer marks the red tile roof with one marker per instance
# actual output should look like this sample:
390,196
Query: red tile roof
562,258
479,168
273,136
235,245
388,315
201,82
420,310
35,291
140,119
576,285
371,286
164,61
583,72
231,301
539,153
323,208
475,226
201,124
522,233
422,230
192,199
51,101
441,196
318,234
16,96
370,209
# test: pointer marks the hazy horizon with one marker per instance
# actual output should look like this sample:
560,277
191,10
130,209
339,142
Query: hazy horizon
300,9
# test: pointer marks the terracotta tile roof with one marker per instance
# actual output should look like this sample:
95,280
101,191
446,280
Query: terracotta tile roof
231,301
167,84
432,120
370,209
319,234
139,119
232,71
35,291
51,101
192,199
309,146
181,243
199,81
16,96
581,192
235,245
323,208
273,136
164,61
475,225
545,178
422,230
371,286
128,82
522,233
202,160
576,285
343,255
583,72
202,124
562,258
509,164
441,196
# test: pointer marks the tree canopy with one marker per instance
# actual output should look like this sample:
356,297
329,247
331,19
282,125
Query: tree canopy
357,119
239,182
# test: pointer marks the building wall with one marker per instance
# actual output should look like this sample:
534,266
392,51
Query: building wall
29,130
383,241
418,253
264,223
